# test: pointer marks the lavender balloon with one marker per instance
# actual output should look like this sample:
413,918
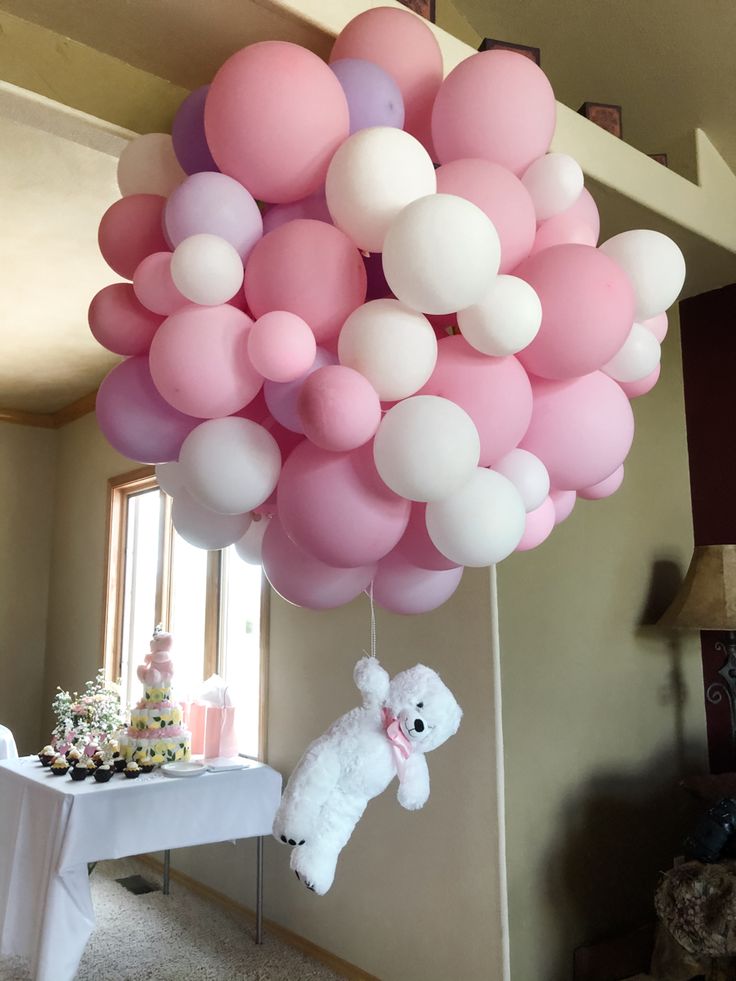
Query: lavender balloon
374,98
187,134
135,419
217,205
282,397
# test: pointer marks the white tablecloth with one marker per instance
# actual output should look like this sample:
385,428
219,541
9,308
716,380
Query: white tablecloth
7,745
51,827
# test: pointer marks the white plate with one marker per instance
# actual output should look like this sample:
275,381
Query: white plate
183,768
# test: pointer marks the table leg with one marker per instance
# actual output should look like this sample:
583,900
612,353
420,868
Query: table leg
259,890
167,865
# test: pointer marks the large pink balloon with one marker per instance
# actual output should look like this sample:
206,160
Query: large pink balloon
605,488
314,207
337,508
305,581
502,196
281,346
154,286
580,224
119,322
311,269
495,105
643,386
200,364
339,408
274,116
587,310
405,47
417,547
538,527
134,418
130,230
401,587
495,392
282,398
581,429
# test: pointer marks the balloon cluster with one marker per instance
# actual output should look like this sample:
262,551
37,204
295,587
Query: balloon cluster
370,336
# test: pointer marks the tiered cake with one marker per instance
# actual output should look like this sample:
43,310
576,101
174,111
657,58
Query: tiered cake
156,732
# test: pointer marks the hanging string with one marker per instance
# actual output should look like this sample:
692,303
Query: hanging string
373,622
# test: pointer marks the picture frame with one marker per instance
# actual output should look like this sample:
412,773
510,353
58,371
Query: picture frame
527,50
425,8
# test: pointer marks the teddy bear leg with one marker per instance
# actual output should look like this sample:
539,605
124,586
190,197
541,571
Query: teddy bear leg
315,861
311,784
315,865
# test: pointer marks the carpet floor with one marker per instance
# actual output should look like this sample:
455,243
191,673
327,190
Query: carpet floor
181,937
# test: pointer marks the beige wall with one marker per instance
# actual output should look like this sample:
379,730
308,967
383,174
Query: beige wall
26,498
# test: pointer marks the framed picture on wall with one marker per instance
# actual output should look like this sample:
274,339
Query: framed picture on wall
425,8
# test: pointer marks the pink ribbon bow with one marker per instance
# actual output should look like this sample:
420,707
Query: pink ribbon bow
399,743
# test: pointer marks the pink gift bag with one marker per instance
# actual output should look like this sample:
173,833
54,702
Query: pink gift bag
219,732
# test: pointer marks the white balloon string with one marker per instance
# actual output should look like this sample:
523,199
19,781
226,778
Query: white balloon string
373,623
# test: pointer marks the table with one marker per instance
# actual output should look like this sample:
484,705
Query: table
52,827
7,745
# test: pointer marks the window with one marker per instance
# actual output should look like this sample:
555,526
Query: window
213,603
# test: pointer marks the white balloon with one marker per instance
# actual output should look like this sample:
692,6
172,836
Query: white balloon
555,182
440,254
654,264
528,475
148,165
230,465
505,321
392,345
206,269
481,523
638,357
204,528
426,448
170,477
372,176
250,546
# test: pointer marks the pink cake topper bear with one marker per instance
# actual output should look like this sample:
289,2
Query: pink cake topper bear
157,669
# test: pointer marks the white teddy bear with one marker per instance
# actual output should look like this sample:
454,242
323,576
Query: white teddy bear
357,758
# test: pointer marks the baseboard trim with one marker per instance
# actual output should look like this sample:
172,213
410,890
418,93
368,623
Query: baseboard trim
335,963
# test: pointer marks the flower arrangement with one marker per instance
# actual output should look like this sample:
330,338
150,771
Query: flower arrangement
87,721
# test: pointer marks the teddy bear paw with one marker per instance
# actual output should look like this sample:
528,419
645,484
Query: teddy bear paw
317,873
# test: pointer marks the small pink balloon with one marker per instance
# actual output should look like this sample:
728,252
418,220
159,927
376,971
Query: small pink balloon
339,408
538,527
199,361
657,325
130,230
154,286
643,385
579,225
282,398
581,429
309,268
603,488
587,310
337,508
401,587
274,116
281,346
564,502
495,392
495,105
315,207
502,196
305,581
119,322
417,547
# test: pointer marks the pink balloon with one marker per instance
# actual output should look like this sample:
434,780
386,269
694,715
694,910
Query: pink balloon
401,587
305,581
154,286
563,502
282,398
643,385
580,225
581,429
405,47
495,392
337,508
417,547
339,408
200,364
587,310
502,196
119,322
311,269
657,325
497,106
281,346
274,116
130,230
538,527
315,207
603,488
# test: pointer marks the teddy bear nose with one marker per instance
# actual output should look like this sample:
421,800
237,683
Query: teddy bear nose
418,725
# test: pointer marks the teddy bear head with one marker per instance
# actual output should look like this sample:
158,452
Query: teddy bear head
425,707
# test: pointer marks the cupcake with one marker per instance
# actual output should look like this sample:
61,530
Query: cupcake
103,773
119,764
47,755
132,770
80,771
73,756
147,765
98,758
59,767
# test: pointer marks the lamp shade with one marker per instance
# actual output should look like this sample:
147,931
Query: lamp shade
707,598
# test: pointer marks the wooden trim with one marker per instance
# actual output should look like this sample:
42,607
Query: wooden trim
212,612
265,638
75,410
344,968
163,580
51,420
